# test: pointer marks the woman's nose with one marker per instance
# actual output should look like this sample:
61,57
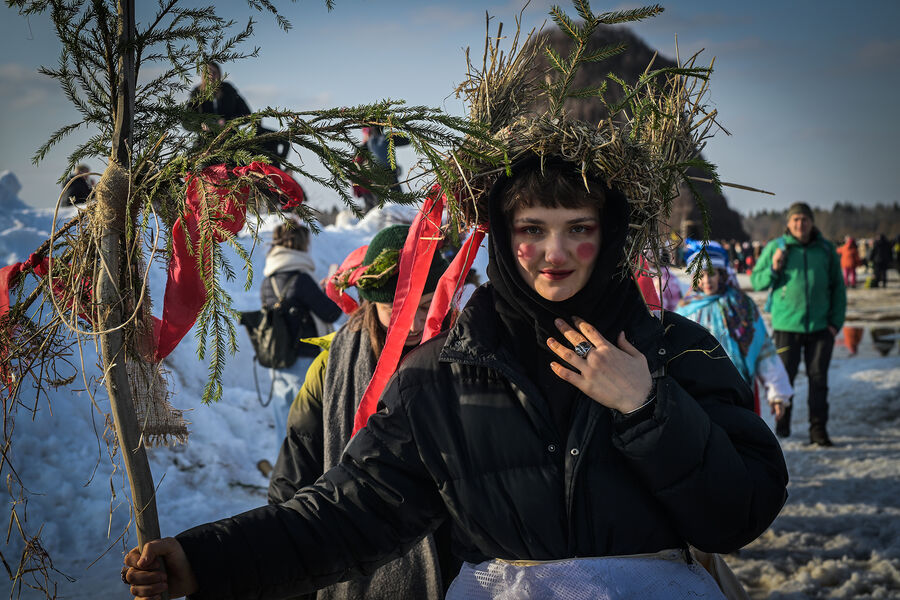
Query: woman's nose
555,251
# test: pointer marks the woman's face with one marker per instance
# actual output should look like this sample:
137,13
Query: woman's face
709,283
556,248
418,325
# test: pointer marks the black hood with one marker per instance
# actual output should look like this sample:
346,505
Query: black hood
608,301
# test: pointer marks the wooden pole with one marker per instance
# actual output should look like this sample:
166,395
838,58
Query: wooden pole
112,285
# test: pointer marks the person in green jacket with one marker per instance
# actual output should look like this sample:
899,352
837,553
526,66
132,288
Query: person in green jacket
807,301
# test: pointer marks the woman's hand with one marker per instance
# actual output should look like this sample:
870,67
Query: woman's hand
147,579
616,377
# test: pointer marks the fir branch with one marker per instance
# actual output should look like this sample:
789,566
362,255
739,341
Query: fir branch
604,53
629,16
555,59
563,21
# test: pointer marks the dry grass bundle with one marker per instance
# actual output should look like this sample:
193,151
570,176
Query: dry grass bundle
160,423
643,149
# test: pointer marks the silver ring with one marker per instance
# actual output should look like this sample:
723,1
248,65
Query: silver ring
582,349
124,572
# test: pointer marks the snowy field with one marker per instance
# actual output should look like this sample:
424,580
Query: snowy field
837,537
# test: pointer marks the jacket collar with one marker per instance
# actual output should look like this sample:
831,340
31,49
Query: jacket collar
475,338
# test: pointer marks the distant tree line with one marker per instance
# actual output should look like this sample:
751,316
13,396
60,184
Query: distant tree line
842,220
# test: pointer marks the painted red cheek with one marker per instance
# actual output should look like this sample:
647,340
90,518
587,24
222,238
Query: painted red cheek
586,251
525,251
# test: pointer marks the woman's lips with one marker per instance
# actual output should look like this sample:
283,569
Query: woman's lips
556,275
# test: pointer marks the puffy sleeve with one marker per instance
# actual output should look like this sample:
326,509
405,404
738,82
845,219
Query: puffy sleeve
715,466
311,295
370,508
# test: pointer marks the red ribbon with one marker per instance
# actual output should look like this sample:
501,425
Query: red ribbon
646,285
450,286
353,261
40,266
9,276
207,196
415,261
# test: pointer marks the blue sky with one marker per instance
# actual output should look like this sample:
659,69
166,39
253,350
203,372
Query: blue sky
808,89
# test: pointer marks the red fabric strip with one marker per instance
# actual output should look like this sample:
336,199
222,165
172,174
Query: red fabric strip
646,285
40,266
185,293
415,261
8,276
339,297
284,185
451,283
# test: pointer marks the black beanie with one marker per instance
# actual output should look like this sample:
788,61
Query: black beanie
393,238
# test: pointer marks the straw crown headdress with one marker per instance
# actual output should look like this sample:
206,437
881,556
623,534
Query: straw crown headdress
644,147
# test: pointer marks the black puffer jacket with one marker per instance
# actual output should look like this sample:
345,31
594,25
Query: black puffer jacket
463,435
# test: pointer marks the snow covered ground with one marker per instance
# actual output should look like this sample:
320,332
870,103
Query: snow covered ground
837,537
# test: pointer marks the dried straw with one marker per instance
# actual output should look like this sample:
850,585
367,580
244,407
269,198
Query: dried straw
641,155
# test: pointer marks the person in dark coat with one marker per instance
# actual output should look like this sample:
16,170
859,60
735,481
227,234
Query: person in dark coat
321,422
79,186
557,425
224,105
881,257
288,281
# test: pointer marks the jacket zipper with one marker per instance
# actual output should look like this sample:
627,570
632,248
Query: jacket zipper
806,290
576,470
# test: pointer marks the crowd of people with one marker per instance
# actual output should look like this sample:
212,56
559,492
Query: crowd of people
875,256
556,432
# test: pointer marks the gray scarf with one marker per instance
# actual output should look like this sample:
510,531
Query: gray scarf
416,575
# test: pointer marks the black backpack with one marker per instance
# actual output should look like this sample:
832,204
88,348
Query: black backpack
276,331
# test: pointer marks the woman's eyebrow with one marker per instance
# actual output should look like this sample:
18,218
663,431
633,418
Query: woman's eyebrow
536,221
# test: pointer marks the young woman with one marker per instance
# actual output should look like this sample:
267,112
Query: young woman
288,280
558,427
732,317
321,421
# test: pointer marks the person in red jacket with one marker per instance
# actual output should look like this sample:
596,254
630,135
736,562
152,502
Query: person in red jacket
849,254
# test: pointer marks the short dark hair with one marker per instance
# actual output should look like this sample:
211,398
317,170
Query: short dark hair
556,187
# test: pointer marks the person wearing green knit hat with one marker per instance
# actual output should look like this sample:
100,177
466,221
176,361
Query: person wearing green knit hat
320,423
